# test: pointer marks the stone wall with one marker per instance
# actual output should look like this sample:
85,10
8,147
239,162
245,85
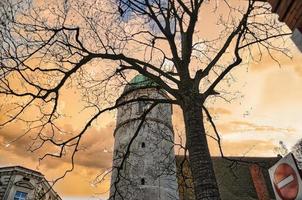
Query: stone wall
149,171
32,183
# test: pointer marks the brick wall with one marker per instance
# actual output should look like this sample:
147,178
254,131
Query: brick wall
259,182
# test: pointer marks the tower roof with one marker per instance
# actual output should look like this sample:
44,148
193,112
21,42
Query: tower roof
139,81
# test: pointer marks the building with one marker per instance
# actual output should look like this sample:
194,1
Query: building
149,172
247,180
20,183
290,12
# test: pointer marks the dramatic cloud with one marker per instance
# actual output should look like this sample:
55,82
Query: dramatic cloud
244,126
246,148
96,145
266,108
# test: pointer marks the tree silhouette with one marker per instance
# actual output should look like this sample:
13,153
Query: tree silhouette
48,47
297,151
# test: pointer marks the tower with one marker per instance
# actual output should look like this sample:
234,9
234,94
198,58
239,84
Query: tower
146,151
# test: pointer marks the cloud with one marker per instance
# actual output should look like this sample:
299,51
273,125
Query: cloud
282,88
244,148
245,126
90,161
267,63
98,146
219,111
92,144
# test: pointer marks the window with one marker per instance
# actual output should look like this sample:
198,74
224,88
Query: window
143,105
20,195
143,145
143,181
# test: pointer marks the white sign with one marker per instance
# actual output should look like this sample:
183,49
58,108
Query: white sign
286,180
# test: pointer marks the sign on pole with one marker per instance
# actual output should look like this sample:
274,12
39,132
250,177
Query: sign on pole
286,180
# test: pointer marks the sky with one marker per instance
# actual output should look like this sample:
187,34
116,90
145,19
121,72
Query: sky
264,108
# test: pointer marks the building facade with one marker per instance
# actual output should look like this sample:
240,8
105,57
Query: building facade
144,160
290,12
246,180
19,183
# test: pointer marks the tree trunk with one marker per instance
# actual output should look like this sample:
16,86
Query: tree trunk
205,185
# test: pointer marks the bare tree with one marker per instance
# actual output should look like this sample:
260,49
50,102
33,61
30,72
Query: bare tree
297,151
282,149
46,47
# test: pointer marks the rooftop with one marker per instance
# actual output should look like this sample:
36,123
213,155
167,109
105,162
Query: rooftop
139,81
234,182
21,169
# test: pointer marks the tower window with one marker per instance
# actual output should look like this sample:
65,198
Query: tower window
143,145
20,195
143,105
142,181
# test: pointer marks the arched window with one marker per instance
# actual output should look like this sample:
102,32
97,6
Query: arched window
143,145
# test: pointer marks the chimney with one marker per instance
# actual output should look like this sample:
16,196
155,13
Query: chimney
259,182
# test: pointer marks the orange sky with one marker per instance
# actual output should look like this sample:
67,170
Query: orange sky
267,109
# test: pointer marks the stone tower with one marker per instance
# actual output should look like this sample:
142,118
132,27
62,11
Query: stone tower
149,171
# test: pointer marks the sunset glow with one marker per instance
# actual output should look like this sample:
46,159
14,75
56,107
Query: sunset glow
261,105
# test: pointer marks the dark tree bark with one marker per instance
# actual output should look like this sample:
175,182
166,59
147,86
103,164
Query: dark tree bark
205,184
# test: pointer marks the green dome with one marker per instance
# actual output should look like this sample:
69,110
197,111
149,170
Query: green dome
139,81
